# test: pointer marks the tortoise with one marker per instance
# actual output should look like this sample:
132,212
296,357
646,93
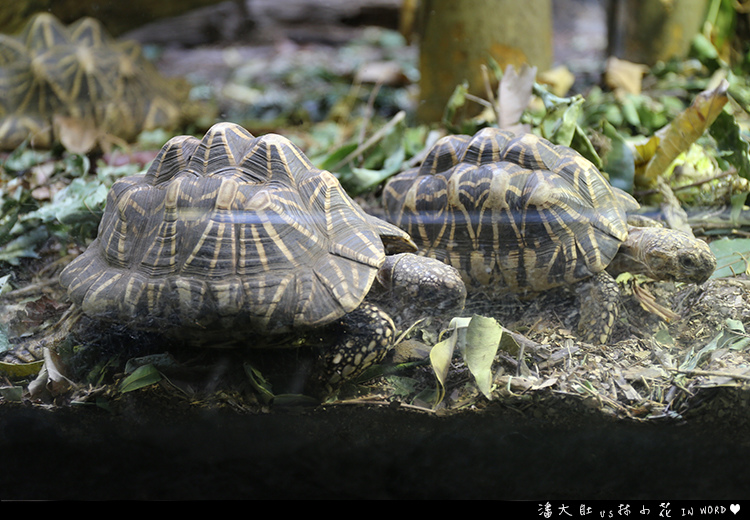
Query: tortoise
240,239
519,214
79,79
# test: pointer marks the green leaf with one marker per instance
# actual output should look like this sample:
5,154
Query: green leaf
259,383
22,159
732,337
663,337
456,101
109,173
629,110
81,201
704,51
24,246
482,340
726,131
440,359
583,145
5,286
732,256
76,165
561,122
7,222
510,345
143,376
402,386
735,337
12,393
416,138
336,156
685,129
363,179
619,162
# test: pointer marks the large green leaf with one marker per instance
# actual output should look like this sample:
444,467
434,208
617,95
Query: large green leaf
482,340
732,256
143,376
477,339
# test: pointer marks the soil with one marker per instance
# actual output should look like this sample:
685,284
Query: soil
562,450
189,437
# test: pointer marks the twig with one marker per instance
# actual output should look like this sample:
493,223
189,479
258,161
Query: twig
377,136
369,111
490,96
481,101
727,173
389,404
696,372
29,289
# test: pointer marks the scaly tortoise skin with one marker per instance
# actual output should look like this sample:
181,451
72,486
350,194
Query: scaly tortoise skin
236,236
51,74
523,215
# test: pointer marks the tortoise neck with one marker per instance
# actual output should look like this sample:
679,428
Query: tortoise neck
631,257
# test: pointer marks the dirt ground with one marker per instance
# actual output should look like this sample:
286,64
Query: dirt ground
638,433
560,451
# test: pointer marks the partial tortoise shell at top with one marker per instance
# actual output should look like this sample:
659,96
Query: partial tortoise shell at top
77,83
510,212
229,232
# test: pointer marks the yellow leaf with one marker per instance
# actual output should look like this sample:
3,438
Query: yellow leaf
624,75
644,152
686,128
558,80
19,370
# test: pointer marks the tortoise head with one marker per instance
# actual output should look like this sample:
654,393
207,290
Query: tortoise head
665,254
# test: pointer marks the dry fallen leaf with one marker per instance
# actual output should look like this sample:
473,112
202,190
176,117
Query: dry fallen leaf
381,72
514,95
648,302
77,135
51,378
624,75
558,80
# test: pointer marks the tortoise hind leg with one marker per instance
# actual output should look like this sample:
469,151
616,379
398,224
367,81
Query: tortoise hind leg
599,298
367,334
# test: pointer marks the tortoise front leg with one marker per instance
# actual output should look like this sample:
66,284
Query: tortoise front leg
599,299
366,335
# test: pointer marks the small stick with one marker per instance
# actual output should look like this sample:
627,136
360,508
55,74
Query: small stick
377,136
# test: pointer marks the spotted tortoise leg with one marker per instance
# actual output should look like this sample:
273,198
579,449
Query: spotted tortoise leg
599,298
30,349
367,334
